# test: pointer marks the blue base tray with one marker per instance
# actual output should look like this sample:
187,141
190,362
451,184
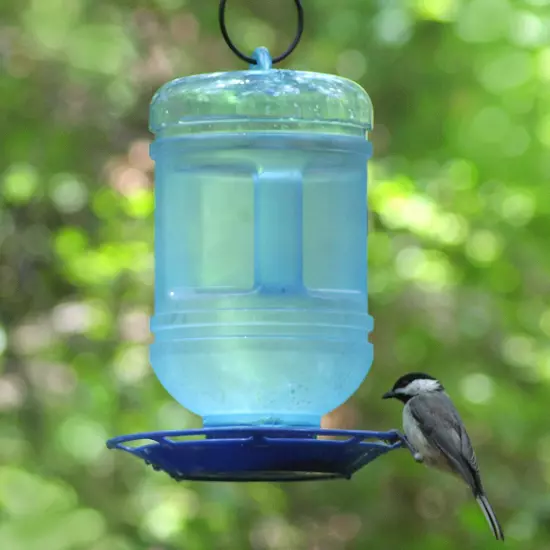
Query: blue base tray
258,454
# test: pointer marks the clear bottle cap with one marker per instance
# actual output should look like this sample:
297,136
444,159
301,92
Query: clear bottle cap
260,98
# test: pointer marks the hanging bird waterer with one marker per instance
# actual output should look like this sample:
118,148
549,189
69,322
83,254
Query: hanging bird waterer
261,323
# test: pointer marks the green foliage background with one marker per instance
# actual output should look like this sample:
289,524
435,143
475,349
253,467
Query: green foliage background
459,269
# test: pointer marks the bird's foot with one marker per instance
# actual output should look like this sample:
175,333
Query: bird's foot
418,457
415,454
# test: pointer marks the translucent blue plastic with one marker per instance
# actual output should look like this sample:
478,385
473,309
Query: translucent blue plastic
261,238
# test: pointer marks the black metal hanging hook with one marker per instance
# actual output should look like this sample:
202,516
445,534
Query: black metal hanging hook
251,60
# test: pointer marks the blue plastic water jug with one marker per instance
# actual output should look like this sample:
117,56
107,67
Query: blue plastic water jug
261,244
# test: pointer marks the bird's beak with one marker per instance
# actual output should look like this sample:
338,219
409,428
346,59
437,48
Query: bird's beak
388,395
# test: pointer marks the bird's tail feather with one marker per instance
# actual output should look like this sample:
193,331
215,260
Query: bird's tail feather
490,516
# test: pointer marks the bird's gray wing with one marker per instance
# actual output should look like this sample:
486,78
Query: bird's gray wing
440,423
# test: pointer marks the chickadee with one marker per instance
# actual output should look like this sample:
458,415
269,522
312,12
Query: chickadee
436,436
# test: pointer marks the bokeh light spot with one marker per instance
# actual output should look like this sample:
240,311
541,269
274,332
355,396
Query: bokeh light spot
506,71
483,20
437,10
20,183
477,388
528,29
393,25
490,125
483,246
68,193
82,438
351,64
519,351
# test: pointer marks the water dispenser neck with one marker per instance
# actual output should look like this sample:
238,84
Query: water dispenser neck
263,59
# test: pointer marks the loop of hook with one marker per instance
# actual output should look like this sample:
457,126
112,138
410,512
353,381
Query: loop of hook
252,60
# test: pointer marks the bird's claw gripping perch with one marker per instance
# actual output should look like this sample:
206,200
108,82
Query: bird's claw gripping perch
406,443
418,457
415,454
